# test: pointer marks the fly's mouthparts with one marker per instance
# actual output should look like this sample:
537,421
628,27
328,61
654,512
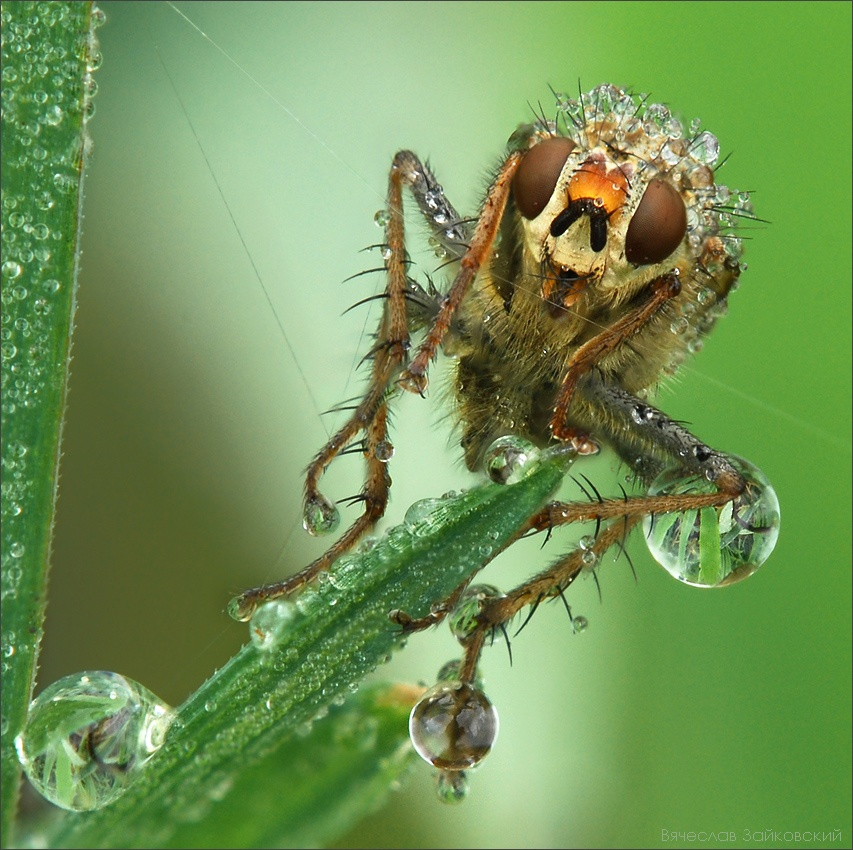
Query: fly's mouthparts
567,274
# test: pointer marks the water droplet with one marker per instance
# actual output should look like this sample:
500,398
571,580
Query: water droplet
16,550
88,736
422,512
714,547
589,558
451,786
270,622
679,325
382,218
463,618
241,609
66,183
320,516
641,414
506,459
437,248
579,624
705,148
10,269
53,115
210,706
383,451
449,673
453,726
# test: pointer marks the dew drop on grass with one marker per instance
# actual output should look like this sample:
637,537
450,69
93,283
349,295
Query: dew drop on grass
270,621
507,458
88,736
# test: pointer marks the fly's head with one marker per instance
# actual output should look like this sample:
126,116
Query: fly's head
620,196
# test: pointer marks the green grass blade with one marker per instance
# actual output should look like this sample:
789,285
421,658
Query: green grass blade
260,700
45,55
317,787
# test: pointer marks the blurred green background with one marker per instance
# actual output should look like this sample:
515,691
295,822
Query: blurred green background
191,414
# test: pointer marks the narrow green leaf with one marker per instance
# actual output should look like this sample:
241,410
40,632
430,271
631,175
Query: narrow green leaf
47,49
315,788
340,631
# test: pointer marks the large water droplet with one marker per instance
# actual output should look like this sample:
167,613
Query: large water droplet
88,736
714,547
453,726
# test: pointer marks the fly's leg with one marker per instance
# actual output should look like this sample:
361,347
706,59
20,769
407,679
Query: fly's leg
590,353
414,379
369,418
615,517
389,357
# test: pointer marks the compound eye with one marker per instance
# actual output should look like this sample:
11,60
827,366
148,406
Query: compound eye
658,225
537,175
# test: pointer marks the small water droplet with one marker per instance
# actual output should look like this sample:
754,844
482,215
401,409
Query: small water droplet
463,618
10,269
320,516
451,786
270,621
382,218
679,325
383,451
16,550
422,512
507,458
579,624
210,706
53,115
88,736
